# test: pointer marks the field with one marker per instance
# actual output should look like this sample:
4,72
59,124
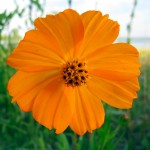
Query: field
123,129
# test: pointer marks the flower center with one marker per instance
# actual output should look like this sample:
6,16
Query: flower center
75,74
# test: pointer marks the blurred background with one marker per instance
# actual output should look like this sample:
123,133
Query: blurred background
123,129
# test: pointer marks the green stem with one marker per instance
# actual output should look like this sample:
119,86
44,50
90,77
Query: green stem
75,141
70,3
0,37
129,26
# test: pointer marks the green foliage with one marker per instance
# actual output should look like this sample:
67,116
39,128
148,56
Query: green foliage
37,4
62,142
6,17
101,139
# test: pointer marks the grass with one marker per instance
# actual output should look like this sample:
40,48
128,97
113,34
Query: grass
123,129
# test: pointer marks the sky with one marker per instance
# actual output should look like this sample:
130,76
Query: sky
118,10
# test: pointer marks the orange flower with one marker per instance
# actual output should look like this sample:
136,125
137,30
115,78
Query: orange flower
68,65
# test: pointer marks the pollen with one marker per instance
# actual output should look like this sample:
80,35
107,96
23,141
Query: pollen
74,73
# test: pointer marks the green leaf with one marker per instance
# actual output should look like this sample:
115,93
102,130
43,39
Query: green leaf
62,142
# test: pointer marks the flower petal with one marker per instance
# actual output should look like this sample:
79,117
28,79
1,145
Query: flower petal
54,106
89,113
117,94
65,109
66,28
35,53
117,62
25,86
99,31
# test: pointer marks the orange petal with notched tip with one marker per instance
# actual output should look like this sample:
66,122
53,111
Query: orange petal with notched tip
25,86
99,32
34,53
54,106
64,27
119,62
116,94
89,113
